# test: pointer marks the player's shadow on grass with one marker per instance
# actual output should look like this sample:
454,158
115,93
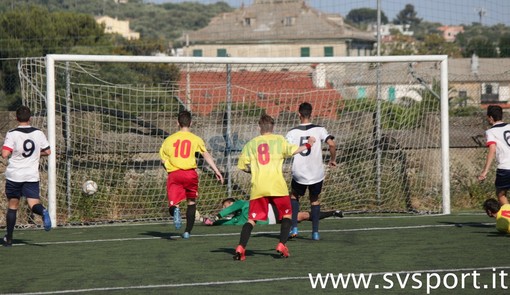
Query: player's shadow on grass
162,235
18,242
469,224
277,236
266,235
248,252
497,235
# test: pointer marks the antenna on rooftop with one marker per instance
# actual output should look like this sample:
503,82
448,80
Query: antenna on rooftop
481,13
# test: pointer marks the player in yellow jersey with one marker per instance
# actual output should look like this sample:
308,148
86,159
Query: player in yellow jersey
178,157
263,157
499,211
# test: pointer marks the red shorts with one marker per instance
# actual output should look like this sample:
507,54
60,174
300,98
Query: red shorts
258,207
181,185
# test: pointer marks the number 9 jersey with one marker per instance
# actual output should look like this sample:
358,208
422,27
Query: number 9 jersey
25,144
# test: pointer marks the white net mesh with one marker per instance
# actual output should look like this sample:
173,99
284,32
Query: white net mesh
109,130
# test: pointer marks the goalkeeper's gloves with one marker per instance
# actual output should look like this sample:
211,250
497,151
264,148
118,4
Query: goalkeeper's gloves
209,220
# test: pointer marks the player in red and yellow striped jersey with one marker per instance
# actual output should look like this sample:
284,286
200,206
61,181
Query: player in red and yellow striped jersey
499,211
263,157
178,156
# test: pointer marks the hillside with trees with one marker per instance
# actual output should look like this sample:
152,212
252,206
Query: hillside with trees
154,21
36,28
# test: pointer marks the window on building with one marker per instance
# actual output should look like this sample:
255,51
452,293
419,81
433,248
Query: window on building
362,92
488,89
392,93
221,52
305,51
328,51
289,21
247,21
197,52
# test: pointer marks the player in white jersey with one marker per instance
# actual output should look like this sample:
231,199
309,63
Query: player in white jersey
23,147
308,168
498,142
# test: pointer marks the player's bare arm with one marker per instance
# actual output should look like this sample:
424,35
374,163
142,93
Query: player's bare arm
332,152
6,154
490,157
209,159
304,147
45,152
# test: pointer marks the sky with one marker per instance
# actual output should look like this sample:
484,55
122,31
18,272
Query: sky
447,12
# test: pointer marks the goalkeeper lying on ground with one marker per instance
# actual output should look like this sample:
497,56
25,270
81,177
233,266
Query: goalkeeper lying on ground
239,211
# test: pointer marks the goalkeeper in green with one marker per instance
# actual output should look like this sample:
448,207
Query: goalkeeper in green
239,211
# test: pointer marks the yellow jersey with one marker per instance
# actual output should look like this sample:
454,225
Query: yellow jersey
263,156
178,151
503,219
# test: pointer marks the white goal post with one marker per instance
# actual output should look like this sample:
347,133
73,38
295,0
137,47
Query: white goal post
401,124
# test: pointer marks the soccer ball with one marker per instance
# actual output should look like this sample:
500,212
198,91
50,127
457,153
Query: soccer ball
89,187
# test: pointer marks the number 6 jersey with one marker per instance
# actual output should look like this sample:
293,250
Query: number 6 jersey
25,144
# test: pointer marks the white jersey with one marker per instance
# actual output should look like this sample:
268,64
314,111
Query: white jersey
25,144
308,166
499,134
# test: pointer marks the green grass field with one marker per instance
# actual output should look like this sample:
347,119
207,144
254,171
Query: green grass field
432,252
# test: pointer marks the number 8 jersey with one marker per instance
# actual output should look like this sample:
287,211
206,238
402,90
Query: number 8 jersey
25,144
264,156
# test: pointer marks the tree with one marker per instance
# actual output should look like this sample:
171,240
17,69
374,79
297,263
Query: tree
365,16
399,45
481,46
34,31
407,16
436,44
504,45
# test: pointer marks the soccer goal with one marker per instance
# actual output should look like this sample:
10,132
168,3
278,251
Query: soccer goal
106,117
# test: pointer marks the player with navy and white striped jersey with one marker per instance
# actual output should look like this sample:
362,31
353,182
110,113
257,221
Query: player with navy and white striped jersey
307,167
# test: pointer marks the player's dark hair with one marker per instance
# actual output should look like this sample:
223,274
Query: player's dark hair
23,114
305,110
266,123
228,200
496,112
184,119
491,205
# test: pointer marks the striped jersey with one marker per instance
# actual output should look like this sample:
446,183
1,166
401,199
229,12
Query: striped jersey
25,144
499,134
178,151
308,166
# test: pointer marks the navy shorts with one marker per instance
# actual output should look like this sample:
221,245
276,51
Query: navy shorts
300,189
21,189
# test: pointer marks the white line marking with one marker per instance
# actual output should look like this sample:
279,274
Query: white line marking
236,234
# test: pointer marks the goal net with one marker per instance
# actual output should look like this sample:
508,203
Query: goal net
107,116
